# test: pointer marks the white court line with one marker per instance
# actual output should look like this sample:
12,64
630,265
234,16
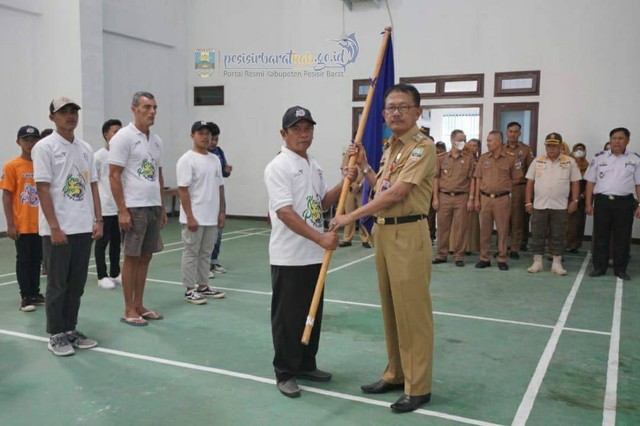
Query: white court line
258,379
9,282
611,392
526,405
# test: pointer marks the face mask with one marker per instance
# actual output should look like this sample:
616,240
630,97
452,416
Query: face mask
461,145
579,154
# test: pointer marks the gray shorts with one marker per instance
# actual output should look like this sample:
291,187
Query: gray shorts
144,235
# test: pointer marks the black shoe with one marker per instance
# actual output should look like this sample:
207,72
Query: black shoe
366,245
523,247
459,263
573,251
381,387
514,255
495,255
408,403
345,244
437,261
38,300
597,273
623,276
314,375
483,264
468,253
503,266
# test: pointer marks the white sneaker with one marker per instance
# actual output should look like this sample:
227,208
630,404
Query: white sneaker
218,269
117,280
194,297
106,283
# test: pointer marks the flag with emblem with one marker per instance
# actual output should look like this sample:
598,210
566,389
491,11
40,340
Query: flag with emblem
376,130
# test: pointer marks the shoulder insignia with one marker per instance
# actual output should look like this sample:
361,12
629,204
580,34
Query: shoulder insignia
510,153
417,153
419,137
600,153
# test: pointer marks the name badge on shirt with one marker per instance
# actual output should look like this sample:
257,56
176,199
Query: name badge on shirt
385,185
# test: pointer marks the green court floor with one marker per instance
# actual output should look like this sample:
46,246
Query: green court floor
510,348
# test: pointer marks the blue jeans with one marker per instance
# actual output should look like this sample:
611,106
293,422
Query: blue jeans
216,249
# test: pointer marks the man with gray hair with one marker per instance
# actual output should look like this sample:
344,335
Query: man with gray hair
135,174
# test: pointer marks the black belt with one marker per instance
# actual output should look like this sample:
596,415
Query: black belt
521,183
502,194
453,194
399,220
615,197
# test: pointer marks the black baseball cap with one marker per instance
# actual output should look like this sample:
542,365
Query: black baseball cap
28,131
200,124
295,114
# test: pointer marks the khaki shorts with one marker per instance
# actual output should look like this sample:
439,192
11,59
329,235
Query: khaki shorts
144,235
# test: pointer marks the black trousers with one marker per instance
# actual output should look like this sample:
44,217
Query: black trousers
66,277
612,218
110,237
28,258
293,288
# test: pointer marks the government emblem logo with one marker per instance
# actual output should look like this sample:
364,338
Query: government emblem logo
205,62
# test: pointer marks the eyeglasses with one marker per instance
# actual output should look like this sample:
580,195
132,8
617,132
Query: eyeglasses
402,109
301,129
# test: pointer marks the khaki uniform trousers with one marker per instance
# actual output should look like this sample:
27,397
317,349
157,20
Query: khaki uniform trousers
452,221
404,279
495,210
473,232
352,202
518,215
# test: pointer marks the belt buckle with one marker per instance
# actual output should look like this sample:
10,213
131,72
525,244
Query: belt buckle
492,195
611,197
453,194
380,220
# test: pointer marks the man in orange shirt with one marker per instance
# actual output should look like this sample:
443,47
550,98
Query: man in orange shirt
20,201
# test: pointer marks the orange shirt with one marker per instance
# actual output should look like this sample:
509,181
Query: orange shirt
17,177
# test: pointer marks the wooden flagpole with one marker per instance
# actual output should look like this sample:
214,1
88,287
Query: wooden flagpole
313,309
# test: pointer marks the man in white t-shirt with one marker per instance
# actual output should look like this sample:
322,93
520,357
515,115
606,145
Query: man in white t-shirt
298,194
135,174
202,210
111,229
70,217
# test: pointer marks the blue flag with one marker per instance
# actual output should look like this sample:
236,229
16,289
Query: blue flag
376,131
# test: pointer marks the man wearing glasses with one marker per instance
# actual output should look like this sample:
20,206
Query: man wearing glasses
403,188
298,194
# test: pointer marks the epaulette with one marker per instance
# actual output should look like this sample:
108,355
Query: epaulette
600,153
443,153
419,137
542,158
510,153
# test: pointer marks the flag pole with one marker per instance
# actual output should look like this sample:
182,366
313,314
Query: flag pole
313,309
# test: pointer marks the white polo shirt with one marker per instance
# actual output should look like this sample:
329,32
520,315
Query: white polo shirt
293,181
69,169
614,175
553,179
109,207
141,159
202,175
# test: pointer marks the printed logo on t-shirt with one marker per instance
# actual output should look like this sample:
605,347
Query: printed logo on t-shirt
29,195
147,170
75,187
313,212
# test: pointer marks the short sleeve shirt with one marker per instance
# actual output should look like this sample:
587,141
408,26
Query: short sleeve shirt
614,175
498,173
201,174
141,158
552,181
293,181
69,169
455,173
107,202
410,158
17,178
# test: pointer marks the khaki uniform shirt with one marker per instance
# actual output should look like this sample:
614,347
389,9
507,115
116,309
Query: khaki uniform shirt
497,173
524,157
455,173
412,159
356,186
553,181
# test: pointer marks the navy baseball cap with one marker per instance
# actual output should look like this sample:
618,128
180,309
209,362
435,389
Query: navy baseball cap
295,114
28,131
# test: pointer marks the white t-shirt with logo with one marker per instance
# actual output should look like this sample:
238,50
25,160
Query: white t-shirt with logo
141,159
109,207
293,181
69,169
202,175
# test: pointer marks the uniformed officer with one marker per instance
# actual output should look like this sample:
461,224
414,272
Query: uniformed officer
519,225
613,179
403,188
551,178
352,202
441,148
495,173
453,195
575,225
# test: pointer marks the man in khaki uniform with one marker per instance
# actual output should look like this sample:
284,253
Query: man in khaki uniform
403,188
353,201
453,195
551,177
495,173
519,226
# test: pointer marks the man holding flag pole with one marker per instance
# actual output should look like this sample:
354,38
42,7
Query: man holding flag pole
402,190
